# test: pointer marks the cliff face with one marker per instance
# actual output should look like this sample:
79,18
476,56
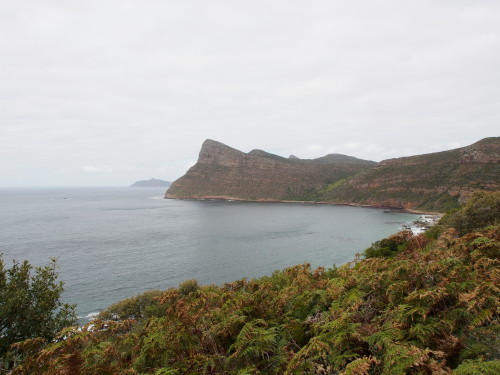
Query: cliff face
436,181
223,172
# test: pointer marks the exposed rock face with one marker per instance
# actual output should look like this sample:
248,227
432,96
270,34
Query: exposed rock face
154,182
436,181
223,172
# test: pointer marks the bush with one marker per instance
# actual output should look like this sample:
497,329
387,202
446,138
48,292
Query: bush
478,367
434,232
388,247
187,287
482,209
30,305
132,308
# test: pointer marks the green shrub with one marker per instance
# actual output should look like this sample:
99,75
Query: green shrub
30,306
187,287
388,247
132,308
480,210
478,368
434,232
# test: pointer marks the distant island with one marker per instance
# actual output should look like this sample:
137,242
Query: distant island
432,182
154,182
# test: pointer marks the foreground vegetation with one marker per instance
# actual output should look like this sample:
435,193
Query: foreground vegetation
30,307
417,304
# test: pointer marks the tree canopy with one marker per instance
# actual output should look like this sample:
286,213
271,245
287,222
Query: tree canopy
30,304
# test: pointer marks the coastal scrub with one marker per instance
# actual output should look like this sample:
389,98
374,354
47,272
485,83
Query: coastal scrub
429,306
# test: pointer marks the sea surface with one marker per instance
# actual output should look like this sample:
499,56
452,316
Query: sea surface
113,243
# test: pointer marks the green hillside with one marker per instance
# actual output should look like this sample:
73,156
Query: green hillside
434,182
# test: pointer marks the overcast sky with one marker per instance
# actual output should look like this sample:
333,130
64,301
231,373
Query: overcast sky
108,92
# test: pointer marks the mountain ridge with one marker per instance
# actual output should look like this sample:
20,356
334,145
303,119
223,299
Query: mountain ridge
226,173
429,182
435,181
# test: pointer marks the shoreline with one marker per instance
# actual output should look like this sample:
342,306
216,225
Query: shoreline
233,199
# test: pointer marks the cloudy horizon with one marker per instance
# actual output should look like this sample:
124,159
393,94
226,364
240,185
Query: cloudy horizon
105,93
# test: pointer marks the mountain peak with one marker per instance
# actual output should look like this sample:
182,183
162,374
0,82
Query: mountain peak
224,172
213,152
343,159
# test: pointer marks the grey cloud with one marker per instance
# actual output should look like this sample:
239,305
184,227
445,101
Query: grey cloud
110,83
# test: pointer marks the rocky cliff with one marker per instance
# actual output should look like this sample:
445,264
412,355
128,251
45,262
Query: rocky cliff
436,181
224,172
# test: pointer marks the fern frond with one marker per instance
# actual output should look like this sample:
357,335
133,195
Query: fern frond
478,368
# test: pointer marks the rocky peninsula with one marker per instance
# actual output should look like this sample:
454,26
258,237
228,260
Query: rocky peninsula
225,173
432,182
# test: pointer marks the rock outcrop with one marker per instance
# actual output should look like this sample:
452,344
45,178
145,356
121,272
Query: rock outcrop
226,173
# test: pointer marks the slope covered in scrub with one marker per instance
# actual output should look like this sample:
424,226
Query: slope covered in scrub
434,182
414,304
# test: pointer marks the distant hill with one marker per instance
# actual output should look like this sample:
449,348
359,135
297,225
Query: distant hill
154,182
436,181
431,182
224,172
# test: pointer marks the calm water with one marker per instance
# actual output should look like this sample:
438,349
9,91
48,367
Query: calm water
113,243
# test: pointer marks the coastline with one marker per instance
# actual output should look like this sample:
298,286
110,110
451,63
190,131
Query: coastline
262,200
424,222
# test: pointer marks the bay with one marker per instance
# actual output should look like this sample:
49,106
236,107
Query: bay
113,243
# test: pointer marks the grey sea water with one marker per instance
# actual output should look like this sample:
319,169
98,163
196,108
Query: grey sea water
113,243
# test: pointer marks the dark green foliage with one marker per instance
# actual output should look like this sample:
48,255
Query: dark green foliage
136,307
478,368
30,305
187,287
482,209
301,193
434,232
388,247
442,202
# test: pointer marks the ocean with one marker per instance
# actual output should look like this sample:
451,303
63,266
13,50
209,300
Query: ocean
113,243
